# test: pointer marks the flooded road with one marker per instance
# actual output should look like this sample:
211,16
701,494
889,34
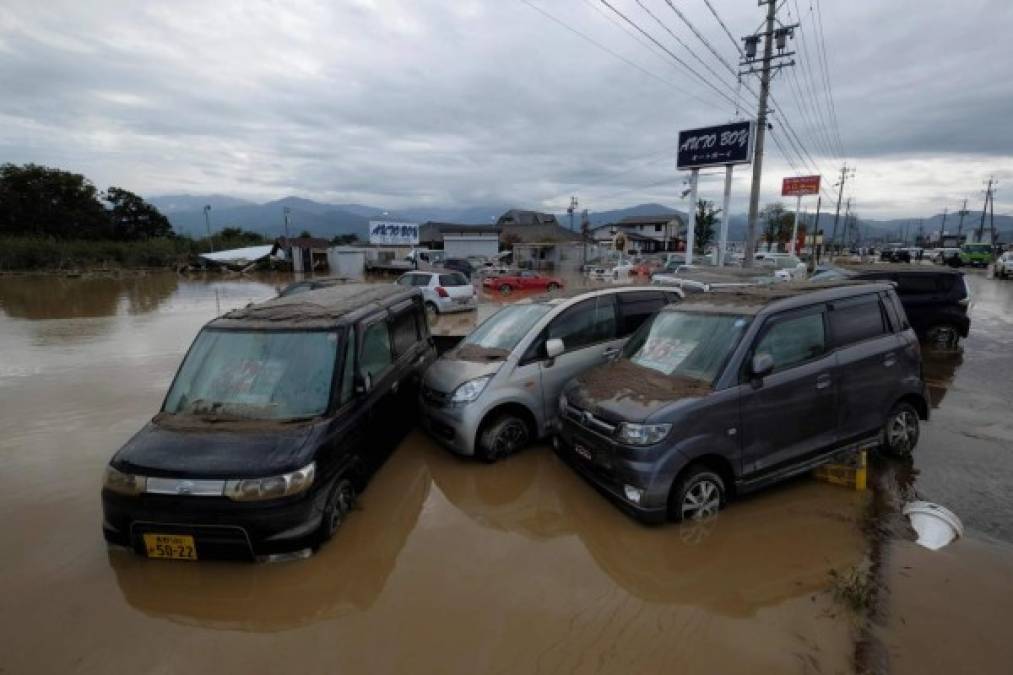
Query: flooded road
452,566
448,566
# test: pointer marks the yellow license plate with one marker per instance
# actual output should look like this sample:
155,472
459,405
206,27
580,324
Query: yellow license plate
171,546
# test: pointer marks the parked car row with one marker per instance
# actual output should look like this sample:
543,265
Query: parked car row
669,404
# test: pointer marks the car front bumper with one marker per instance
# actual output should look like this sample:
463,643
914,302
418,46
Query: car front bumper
221,527
610,472
453,426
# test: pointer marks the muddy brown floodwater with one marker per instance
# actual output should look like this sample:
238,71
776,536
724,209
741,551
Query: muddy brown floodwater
448,566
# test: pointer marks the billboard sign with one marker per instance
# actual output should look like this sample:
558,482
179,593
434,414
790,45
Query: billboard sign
716,146
388,233
800,186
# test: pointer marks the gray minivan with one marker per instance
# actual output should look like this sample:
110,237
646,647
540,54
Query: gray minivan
733,390
497,389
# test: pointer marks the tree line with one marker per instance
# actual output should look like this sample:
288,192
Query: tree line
39,201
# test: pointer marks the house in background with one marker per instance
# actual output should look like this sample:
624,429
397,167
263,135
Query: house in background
522,217
460,241
645,234
305,253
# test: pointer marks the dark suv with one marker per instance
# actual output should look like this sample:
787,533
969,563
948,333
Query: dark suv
935,300
277,417
733,390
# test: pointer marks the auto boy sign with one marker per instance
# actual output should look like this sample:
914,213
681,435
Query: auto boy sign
716,146
393,234
800,186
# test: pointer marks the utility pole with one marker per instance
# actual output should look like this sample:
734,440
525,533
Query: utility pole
960,226
991,216
942,227
847,216
769,36
845,172
207,223
571,209
286,211
984,210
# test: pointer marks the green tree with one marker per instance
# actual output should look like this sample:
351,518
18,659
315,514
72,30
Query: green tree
40,201
240,237
345,239
777,224
305,234
703,230
132,218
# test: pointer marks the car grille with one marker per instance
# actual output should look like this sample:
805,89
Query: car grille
435,398
589,421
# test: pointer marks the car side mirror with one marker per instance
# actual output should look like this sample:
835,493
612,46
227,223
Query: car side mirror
763,365
554,347
363,383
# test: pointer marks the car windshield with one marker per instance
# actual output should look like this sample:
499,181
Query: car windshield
265,375
687,344
504,329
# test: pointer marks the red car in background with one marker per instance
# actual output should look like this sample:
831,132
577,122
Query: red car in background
522,281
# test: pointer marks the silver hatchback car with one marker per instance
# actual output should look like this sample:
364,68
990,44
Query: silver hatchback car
498,389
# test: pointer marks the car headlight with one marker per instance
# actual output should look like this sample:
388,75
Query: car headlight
273,487
124,483
470,390
642,434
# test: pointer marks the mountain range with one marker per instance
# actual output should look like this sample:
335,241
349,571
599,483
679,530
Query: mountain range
186,213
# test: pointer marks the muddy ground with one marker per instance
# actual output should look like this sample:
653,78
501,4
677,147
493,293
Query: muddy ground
450,565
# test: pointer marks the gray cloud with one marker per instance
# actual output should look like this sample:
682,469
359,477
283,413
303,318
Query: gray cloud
455,102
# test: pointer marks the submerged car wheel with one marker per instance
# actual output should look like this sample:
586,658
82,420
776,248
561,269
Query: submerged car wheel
698,494
504,436
339,503
900,435
505,289
942,336
551,287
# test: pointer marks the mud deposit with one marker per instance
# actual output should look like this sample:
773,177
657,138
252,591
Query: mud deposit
448,566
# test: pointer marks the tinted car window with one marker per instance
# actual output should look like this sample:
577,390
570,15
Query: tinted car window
856,320
636,307
376,355
917,284
404,331
794,340
348,374
455,279
585,323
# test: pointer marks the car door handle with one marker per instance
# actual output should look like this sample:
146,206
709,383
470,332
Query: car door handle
823,381
889,360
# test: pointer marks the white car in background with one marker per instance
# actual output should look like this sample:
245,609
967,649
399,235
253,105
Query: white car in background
1004,265
443,290
786,266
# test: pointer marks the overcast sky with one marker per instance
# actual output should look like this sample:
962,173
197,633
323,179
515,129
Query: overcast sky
457,102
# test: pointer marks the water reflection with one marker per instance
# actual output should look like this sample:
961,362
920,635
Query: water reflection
940,368
49,297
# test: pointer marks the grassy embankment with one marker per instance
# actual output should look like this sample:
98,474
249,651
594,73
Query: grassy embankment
20,254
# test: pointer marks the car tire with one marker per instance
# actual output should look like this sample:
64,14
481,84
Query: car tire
942,336
502,437
552,287
340,501
697,494
505,289
901,431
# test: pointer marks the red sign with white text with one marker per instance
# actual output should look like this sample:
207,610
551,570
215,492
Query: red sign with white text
800,186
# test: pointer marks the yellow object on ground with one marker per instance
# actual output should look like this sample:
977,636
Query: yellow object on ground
850,470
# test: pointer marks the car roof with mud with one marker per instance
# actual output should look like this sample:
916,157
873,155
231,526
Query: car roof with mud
776,297
318,309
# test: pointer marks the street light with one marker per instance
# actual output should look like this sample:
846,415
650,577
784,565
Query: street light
286,211
207,223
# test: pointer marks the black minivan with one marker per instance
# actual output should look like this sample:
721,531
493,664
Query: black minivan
732,390
277,417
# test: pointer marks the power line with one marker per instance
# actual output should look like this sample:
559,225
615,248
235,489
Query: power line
821,43
685,65
622,58
723,26
821,111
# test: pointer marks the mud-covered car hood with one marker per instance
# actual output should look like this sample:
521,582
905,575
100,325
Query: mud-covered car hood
449,372
623,391
223,450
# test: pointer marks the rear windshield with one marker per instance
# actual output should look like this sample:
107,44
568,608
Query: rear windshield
455,279
264,375
688,344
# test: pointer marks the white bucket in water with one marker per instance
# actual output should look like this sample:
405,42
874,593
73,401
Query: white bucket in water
936,526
